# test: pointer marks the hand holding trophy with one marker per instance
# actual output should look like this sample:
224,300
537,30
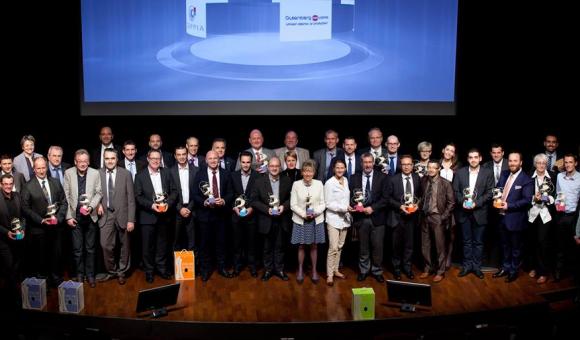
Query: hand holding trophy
240,204
206,191
161,202
410,202
84,202
560,202
381,161
274,204
309,210
359,199
545,189
17,228
469,196
497,193
51,214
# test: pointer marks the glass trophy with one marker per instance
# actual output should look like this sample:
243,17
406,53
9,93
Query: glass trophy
51,213
359,199
274,203
84,202
17,228
161,201
469,196
420,169
309,209
382,162
240,203
263,166
560,202
545,189
206,191
410,202
497,193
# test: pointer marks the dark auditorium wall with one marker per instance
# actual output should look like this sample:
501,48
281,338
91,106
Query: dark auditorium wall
506,69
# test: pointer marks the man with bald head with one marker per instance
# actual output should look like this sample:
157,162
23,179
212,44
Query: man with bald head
291,144
106,137
261,154
213,197
155,143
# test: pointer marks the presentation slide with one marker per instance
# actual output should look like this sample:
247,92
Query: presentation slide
268,56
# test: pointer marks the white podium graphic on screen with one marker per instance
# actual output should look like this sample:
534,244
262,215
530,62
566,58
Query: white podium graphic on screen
196,23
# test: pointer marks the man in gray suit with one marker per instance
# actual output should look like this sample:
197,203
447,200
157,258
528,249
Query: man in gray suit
261,154
117,215
290,144
82,188
324,157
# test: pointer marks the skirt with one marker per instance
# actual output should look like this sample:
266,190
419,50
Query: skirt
308,233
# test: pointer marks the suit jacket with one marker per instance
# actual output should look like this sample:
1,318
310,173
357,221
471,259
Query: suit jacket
483,187
21,165
519,200
490,165
205,214
445,200
64,167
378,199
230,164
144,193
395,194
303,155
34,203
200,160
261,197
19,180
320,159
123,200
93,191
269,153
176,183
140,165
168,158
356,160
5,220
96,155
239,190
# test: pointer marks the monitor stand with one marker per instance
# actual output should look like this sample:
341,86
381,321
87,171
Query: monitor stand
157,313
407,307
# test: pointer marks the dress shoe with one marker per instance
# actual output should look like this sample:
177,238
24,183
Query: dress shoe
204,276
92,281
122,280
253,272
149,277
283,275
225,273
236,272
438,278
542,279
409,274
361,276
165,276
511,278
479,274
397,275
424,275
330,281
500,273
104,278
267,275
339,275
379,278
463,272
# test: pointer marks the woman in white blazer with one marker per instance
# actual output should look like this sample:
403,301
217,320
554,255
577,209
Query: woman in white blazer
307,204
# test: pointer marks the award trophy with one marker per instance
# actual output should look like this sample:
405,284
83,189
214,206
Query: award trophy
381,161
274,203
161,201
206,191
358,199
263,166
240,203
560,202
497,193
17,228
469,195
545,189
410,202
309,210
420,169
84,202
51,212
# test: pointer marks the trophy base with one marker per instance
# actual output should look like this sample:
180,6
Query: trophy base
19,236
497,204
243,213
84,211
162,207
411,208
275,212
359,208
560,208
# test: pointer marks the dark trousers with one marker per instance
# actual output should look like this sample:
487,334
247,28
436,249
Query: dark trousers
274,248
472,243
511,242
45,250
154,237
184,225
538,247
214,228
84,239
112,238
431,228
403,243
565,231
10,293
371,242
244,242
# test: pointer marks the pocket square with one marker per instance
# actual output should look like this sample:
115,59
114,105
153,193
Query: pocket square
518,187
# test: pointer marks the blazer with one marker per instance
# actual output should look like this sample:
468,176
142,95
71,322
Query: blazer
239,189
320,159
395,194
123,200
21,165
34,202
140,165
269,153
96,155
230,165
303,155
298,196
5,221
200,160
260,199
445,200
93,191
378,199
176,183
519,200
357,164
144,193
64,167
483,187
205,214
168,159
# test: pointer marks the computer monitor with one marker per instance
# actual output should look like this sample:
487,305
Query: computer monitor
157,299
409,294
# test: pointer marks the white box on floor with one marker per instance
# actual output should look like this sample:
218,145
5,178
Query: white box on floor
71,298
33,293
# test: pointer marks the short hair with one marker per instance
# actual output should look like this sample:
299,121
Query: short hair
497,145
349,137
375,129
308,164
329,131
474,150
113,150
275,158
6,176
406,156
247,154
518,153
129,142
434,161
290,154
219,139
366,155
54,147
571,155
338,160
5,156
26,138
540,157
179,147
41,158
152,151
424,145
81,152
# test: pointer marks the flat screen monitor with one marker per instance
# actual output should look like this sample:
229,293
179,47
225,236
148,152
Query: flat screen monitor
157,298
409,293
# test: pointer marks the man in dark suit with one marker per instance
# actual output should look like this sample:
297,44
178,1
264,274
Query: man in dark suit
394,160
273,221
152,188
219,146
213,209
477,182
518,189
244,224
375,138
370,222
350,158
6,166
498,163
324,157
106,137
56,167
403,191
130,161
44,234
193,156
183,178
117,216
155,143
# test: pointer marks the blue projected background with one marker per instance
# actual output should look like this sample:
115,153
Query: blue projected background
379,50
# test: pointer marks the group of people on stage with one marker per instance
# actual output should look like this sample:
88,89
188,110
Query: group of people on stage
265,198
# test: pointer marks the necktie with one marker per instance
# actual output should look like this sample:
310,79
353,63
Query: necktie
391,165
507,187
191,162
110,188
408,186
550,161
497,172
368,188
57,174
214,184
428,193
45,191
349,167
258,158
132,169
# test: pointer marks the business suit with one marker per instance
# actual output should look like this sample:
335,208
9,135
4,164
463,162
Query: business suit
302,154
274,228
62,168
514,220
213,219
492,246
200,160
97,153
371,228
473,221
490,165
10,250
244,227
322,173
168,159
45,241
255,166
403,225
84,234
138,166
356,164
118,211
153,224
186,224
226,163
22,165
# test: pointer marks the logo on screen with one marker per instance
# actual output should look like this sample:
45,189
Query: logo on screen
315,17
192,12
